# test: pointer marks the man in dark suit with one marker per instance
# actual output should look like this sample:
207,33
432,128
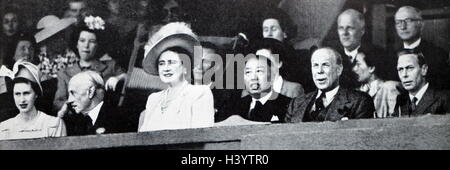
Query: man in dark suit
331,102
262,104
92,115
409,25
421,98
351,29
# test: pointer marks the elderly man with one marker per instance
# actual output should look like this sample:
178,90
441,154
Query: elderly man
93,116
409,25
262,104
351,29
330,102
421,97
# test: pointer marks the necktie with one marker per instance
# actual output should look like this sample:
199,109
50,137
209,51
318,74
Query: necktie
88,122
319,106
319,102
255,110
413,104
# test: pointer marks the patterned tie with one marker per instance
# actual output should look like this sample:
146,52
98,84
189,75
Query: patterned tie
319,102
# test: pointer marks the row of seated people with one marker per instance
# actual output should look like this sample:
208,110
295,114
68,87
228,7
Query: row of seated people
192,105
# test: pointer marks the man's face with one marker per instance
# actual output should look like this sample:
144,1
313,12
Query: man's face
363,71
10,24
80,98
208,63
24,97
75,9
24,50
272,29
114,6
325,70
408,24
350,31
257,76
411,74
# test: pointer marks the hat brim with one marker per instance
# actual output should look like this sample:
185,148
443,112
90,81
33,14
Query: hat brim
180,40
52,30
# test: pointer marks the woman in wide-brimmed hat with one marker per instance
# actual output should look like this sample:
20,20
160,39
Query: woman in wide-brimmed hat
30,122
182,105
89,42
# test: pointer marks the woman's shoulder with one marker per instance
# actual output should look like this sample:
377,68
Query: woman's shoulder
8,123
198,90
51,121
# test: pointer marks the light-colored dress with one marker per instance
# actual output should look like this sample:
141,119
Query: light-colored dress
384,95
42,126
193,108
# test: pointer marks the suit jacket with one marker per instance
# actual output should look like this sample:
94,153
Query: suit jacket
347,103
276,106
222,102
433,101
438,64
108,118
292,89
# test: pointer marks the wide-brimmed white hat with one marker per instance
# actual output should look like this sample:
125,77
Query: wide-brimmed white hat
175,34
51,25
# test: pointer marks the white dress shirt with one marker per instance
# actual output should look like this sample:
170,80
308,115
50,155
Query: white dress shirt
93,114
419,94
352,53
263,100
413,45
329,96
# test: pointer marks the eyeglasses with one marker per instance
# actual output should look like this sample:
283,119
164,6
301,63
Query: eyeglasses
399,22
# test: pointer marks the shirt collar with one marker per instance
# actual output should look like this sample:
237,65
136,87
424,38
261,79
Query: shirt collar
413,45
94,112
420,93
329,95
352,53
264,99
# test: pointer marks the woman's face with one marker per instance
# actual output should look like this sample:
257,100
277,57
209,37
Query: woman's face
10,24
170,68
24,51
87,45
361,68
24,97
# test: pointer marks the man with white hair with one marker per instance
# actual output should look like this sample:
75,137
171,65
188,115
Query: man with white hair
93,115
409,25
331,102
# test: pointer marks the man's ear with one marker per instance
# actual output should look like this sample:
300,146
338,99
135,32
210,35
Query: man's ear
372,70
280,64
339,70
91,92
285,35
424,70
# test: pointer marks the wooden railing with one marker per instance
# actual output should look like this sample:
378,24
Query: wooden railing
426,132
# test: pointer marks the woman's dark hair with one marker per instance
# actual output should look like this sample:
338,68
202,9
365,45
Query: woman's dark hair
33,85
286,23
100,37
379,62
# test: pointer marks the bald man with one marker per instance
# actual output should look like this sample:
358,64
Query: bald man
92,115
351,29
331,102
409,25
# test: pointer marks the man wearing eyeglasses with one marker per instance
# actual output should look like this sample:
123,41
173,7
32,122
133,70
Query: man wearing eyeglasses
409,25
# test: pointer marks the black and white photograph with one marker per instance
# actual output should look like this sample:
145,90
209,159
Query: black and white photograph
225,75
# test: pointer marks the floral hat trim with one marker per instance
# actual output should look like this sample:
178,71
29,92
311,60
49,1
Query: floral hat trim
94,23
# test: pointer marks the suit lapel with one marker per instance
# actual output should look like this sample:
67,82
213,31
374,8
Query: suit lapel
306,109
338,104
427,100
